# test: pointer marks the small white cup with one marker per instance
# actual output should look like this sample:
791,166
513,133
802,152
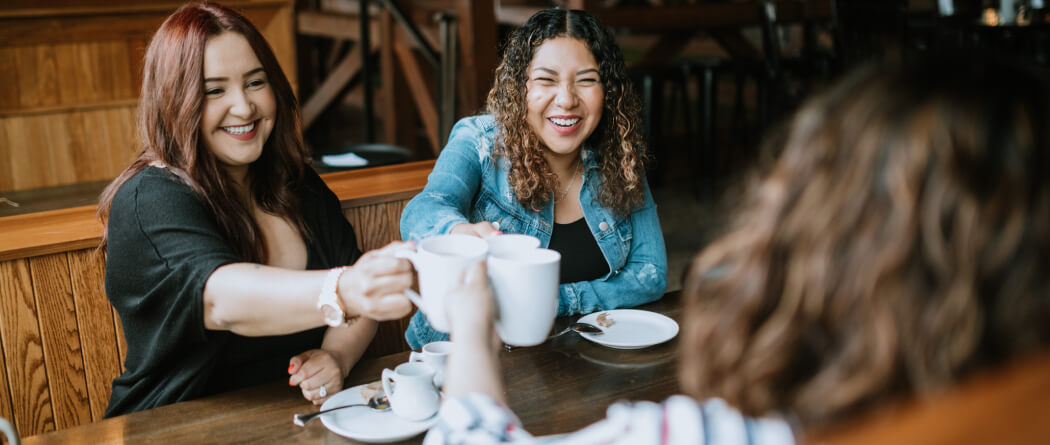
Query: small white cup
434,354
440,262
410,388
526,287
511,242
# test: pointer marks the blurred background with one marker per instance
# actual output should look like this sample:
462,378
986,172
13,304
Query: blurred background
386,79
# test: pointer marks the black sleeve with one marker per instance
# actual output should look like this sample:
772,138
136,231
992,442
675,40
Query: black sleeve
332,236
163,246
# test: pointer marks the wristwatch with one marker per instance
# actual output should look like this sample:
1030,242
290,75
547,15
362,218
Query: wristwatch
328,301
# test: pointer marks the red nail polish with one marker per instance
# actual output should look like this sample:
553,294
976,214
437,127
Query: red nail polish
290,383
291,368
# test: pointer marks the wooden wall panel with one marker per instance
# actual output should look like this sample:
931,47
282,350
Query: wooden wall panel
5,390
122,341
63,356
70,80
84,146
20,332
26,164
60,155
6,181
96,327
8,79
37,76
368,225
376,226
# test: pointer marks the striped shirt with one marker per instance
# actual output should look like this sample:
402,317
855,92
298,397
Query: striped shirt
478,419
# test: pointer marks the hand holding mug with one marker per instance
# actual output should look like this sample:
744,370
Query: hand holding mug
440,261
375,285
481,229
471,307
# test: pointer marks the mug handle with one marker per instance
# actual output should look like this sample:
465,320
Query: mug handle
411,256
415,297
415,357
9,431
407,254
388,382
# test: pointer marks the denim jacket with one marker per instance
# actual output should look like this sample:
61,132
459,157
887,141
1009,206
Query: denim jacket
467,185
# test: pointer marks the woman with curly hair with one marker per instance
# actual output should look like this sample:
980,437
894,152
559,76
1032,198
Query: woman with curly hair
559,158
226,254
898,246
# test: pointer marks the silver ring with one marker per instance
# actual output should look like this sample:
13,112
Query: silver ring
324,392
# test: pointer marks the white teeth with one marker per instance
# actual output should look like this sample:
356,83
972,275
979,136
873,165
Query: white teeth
243,129
564,122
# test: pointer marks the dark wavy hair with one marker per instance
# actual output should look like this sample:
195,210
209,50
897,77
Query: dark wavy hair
899,243
169,125
616,142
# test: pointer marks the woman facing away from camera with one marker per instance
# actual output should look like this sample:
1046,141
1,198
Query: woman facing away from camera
226,253
559,158
898,245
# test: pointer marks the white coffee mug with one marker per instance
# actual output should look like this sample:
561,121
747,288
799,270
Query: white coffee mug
440,262
511,242
434,354
410,388
526,287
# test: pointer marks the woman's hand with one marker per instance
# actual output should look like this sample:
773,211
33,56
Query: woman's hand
316,369
479,229
374,286
473,365
471,306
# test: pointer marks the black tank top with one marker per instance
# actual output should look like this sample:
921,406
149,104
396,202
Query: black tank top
581,259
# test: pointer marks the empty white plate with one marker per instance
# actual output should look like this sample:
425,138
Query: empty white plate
631,328
365,424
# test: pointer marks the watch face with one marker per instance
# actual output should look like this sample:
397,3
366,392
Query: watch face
332,314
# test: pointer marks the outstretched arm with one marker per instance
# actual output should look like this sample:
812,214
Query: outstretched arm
256,300
473,365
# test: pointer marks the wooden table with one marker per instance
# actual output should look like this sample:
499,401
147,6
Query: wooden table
557,387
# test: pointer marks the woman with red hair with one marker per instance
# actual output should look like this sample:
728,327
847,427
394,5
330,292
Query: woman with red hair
226,253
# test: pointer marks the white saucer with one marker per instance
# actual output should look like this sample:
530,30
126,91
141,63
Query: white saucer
366,425
631,329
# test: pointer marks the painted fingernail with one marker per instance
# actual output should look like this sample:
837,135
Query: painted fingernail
291,368
290,382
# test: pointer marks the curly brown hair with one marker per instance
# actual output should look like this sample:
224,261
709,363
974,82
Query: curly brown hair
616,142
900,242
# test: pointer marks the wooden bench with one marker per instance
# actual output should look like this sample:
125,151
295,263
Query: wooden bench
62,343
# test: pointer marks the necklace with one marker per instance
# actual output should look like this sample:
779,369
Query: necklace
579,166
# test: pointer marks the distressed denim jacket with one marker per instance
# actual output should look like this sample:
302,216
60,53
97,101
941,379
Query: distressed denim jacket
468,186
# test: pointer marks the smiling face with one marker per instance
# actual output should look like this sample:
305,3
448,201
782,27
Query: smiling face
239,105
564,95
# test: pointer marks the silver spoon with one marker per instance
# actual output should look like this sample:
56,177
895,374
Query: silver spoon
583,328
378,402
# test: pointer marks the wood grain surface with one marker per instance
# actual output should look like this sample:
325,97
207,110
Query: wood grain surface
31,410
63,359
96,327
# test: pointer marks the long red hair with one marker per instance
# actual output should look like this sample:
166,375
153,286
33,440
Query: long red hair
169,122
